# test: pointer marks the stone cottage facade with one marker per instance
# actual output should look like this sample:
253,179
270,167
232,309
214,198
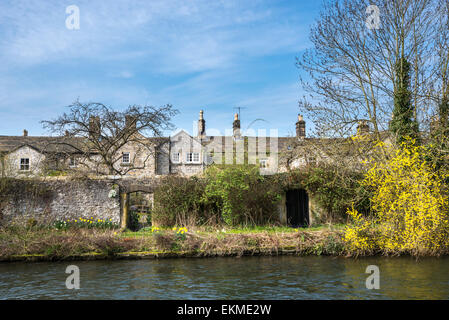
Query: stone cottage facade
140,165
181,154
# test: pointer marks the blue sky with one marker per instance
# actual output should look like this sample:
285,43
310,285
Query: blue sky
193,54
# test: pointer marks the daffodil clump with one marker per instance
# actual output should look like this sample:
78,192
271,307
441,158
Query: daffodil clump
180,233
85,223
410,205
155,229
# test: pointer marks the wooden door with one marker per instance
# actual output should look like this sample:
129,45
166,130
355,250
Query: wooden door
297,208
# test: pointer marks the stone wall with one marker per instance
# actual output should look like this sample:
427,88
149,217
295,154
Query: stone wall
46,201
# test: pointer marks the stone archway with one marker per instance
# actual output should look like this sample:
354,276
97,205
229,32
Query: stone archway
125,197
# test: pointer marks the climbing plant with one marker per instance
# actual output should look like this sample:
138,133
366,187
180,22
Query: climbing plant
242,194
403,123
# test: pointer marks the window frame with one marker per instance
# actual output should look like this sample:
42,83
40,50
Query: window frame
22,165
311,160
264,161
73,163
123,157
192,157
178,155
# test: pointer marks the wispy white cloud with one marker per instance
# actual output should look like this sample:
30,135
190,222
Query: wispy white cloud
173,35
193,54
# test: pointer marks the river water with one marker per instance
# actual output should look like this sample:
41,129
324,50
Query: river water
285,277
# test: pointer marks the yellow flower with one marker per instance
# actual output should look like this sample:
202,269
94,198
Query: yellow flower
409,203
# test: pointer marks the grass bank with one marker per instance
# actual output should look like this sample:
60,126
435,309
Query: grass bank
48,244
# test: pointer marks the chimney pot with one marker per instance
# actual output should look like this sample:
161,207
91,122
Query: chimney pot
362,128
300,127
94,127
130,122
25,133
236,126
201,125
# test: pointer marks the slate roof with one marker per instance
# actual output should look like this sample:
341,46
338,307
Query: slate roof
46,144
40,143
63,144
283,142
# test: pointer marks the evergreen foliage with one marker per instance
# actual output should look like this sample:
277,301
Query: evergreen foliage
403,124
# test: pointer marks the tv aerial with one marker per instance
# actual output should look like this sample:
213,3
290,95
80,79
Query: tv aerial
239,108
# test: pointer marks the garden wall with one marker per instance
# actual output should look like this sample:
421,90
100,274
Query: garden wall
46,201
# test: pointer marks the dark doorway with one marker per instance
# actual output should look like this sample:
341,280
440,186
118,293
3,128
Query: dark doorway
297,208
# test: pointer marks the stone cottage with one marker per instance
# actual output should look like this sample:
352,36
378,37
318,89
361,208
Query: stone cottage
183,154
180,154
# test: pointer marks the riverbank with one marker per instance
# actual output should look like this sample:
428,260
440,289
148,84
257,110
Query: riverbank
45,244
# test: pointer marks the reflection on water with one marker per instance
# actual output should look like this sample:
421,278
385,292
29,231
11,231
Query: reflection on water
230,278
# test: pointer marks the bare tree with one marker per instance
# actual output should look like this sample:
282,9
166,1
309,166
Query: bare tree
351,67
440,89
98,134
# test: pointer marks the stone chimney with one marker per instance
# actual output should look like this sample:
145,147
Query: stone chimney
300,127
236,126
201,125
362,128
25,133
130,122
94,127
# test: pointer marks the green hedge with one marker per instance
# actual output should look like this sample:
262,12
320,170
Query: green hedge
242,194
237,195
178,201
231,195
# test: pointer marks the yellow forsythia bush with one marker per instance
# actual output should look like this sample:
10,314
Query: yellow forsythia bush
409,202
